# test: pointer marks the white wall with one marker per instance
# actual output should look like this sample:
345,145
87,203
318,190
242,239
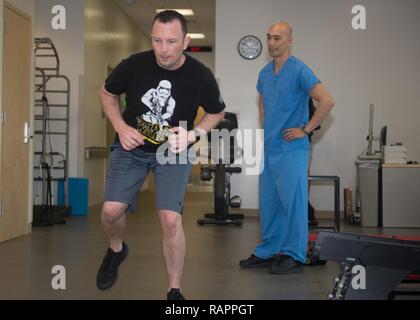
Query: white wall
379,65
206,58
110,36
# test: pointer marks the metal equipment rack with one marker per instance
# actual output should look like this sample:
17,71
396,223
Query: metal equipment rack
51,134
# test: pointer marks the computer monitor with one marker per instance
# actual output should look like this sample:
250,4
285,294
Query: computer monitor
382,137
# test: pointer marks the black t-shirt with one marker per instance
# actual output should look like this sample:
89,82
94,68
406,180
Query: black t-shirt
158,99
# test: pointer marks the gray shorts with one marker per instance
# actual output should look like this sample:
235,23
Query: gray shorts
128,170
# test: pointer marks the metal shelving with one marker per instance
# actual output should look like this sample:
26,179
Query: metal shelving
51,134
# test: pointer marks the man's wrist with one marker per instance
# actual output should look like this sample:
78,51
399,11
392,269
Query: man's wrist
194,135
121,125
305,130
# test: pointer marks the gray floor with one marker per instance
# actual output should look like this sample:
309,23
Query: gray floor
211,269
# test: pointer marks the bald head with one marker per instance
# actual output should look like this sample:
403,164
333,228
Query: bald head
279,40
282,28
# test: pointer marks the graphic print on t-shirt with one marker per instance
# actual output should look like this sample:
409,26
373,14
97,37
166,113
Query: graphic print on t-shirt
154,124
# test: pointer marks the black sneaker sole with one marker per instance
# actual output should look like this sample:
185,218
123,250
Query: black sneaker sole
109,284
106,286
259,265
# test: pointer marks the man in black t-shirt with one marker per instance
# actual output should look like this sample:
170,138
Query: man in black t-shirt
164,88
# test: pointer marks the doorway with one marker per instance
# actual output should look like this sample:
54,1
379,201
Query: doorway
16,110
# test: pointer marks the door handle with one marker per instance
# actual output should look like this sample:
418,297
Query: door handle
26,133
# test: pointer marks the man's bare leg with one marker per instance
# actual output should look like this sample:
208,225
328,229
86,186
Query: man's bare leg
174,246
113,222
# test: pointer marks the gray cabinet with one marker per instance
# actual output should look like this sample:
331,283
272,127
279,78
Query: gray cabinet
401,196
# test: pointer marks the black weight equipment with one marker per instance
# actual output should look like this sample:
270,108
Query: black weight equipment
222,170
44,215
388,261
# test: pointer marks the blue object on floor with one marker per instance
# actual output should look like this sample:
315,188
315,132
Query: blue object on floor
78,191
60,193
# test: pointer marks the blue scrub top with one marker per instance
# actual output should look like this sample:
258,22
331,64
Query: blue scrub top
285,102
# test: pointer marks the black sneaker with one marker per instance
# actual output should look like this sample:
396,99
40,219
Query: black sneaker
174,294
108,271
285,264
254,262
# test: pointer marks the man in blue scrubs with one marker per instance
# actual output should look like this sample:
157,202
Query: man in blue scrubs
285,85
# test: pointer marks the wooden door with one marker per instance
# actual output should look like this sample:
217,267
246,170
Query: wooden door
16,113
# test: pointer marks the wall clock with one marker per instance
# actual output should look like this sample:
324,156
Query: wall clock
249,47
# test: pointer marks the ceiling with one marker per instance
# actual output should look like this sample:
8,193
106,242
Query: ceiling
203,20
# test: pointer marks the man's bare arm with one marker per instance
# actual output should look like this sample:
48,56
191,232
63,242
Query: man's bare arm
209,121
129,137
182,138
260,108
325,104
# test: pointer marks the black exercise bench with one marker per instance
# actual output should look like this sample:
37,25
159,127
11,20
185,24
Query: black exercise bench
336,180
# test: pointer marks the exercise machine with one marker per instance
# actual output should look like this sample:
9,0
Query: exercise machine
224,157
51,134
387,262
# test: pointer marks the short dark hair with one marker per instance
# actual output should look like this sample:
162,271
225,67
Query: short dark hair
171,15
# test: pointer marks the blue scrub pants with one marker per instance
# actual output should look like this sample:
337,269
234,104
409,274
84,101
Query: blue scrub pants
284,205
